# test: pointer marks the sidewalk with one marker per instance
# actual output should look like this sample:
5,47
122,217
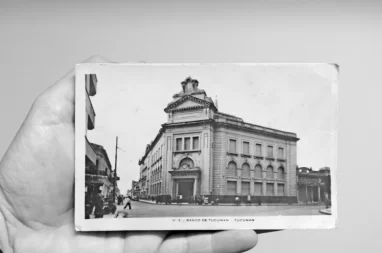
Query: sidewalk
233,204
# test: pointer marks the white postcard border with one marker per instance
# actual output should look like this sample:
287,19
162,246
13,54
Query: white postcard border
183,223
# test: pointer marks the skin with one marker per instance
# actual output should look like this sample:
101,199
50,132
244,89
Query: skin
37,192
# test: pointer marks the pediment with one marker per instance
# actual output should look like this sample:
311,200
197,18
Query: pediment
187,102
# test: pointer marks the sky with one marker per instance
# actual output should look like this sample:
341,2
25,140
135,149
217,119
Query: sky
299,98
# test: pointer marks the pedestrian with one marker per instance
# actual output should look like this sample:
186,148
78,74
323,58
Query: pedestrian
123,211
128,203
249,199
97,207
237,200
180,198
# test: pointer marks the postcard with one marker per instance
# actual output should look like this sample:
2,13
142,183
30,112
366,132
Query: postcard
206,146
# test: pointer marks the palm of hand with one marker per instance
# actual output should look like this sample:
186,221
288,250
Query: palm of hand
37,192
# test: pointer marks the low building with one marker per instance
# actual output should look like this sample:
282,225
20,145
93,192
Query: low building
201,151
100,176
313,186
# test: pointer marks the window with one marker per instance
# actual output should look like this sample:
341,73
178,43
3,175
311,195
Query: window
258,149
232,146
178,144
231,188
281,153
231,169
270,187
280,190
258,171
269,172
245,188
270,151
280,173
258,189
245,170
195,143
246,148
187,143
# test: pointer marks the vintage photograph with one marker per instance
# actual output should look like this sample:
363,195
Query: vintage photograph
206,146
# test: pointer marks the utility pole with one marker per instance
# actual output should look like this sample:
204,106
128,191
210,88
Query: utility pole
115,169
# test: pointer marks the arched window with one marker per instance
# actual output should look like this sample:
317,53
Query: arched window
280,173
231,169
258,171
186,164
245,170
269,172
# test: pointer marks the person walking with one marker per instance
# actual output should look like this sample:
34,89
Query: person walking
123,211
237,200
249,199
180,198
128,203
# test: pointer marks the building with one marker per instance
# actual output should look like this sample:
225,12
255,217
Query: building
90,154
201,151
98,169
100,176
313,186
135,191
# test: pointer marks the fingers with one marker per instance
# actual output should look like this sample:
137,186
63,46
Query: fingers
138,242
214,242
56,104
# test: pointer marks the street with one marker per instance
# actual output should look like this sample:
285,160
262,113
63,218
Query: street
147,210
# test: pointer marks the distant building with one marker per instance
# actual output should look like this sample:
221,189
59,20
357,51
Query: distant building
201,151
313,186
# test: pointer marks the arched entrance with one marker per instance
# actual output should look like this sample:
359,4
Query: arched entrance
185,179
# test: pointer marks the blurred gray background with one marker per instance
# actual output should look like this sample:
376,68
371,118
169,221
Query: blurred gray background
42,40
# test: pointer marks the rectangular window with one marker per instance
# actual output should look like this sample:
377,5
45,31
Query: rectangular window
270,189
178,145
258,189
246,148
195,143
187,143
280,190
281,153
231,187
270,151
245,188
232,146
258,150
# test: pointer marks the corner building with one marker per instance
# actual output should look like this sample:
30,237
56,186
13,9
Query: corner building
201,151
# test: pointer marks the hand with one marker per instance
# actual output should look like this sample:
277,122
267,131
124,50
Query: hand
37,192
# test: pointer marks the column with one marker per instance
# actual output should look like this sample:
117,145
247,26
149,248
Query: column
311,193
275,188
264,191
177,188
319,194
306,193
252,183
195,186
238,183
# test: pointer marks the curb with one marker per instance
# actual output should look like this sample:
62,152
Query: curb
326,211
221,204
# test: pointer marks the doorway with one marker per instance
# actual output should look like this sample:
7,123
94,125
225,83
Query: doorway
186,189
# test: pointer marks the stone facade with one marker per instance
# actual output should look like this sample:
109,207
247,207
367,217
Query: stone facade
200,151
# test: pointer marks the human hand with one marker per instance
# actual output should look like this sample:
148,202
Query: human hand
37,192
